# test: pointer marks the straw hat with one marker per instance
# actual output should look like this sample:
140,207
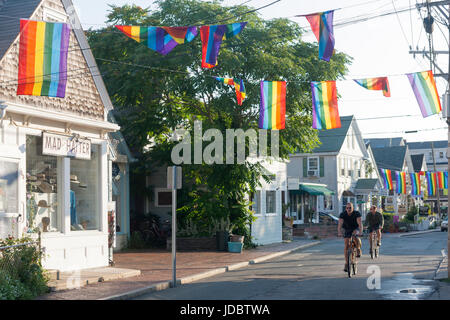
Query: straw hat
46,187
74,179
43,204
41,176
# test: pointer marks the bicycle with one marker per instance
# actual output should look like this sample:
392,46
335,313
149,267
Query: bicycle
352,256
374,248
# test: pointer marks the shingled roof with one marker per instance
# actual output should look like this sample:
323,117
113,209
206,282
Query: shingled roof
332,140
391,158
427,144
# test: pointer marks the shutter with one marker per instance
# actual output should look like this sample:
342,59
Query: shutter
305,167
322,166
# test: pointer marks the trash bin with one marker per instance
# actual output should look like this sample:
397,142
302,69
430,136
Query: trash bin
222,240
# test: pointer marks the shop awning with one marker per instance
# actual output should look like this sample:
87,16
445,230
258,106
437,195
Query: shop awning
315,190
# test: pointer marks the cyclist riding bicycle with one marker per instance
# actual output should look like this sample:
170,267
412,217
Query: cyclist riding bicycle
350,220
374,222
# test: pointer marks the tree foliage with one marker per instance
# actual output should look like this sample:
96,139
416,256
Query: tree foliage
151,101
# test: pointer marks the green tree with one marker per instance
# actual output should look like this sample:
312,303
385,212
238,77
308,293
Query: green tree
151,101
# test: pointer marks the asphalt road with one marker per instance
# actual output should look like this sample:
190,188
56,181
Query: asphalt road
404,270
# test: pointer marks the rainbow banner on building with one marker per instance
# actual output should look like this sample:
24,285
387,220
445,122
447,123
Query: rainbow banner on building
272,108
400,178
442,178
387,179
239,87
415,184
324,105
380,83
424,88
431,183
322,27
212,37
43,51
160,39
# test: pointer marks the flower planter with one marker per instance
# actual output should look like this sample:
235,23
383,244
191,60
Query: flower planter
236,238
235,247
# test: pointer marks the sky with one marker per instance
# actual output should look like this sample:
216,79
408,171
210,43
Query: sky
379,47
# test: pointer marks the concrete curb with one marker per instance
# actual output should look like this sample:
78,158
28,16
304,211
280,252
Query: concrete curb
418,232
167,284
440,273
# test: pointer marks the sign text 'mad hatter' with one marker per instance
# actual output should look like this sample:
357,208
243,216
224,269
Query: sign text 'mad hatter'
66,146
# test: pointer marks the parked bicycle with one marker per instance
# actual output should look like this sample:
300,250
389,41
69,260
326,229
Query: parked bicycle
352,259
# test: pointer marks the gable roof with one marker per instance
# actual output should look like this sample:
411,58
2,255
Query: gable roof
391,158
417,160
10,11
385,142
366,184
332,139
427,144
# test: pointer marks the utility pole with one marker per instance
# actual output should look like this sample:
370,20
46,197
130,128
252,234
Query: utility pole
438,190
446,16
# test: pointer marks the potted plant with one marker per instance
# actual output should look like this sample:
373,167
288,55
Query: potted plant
236,242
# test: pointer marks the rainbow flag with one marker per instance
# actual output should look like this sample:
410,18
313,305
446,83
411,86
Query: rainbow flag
212,37
324,105
415,184
239,87
43,51
272,108
387,178
424,88
401,182
322,27
442,178
431,183
160,39
380,83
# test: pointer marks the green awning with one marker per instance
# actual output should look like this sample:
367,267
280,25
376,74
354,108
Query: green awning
313,190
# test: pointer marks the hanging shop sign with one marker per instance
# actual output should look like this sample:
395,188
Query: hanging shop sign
66,146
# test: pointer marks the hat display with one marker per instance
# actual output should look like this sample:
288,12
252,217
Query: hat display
82,185
41,176
45,187
43,204
74,179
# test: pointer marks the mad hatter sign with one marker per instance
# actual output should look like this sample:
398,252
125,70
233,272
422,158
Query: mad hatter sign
66,146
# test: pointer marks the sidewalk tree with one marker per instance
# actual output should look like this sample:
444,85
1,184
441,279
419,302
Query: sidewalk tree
150,101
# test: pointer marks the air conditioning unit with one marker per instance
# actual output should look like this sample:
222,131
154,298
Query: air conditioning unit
312,173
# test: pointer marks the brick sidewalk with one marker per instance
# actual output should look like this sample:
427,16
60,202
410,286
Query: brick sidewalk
156,267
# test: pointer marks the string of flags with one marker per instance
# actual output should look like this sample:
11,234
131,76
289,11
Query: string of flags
434,181
43,67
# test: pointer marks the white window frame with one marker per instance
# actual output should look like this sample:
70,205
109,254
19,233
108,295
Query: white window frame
157,190
308,167
350,169
276,204
52,15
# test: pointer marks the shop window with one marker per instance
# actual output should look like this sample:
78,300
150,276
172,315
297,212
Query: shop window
163,198
271,203
8,187
85,192
42,188
328,202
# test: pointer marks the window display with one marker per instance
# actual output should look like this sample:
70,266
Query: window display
42,188
84,192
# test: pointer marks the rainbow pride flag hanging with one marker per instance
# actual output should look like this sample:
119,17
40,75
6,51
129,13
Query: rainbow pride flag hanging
431,183
424,88
239,87
380,83
401,182
272,108
415,184
43,51
322,27
160,39
324,105
387,179
442,178
212,37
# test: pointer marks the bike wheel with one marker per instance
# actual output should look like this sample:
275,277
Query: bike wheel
376,252
354,268
349,262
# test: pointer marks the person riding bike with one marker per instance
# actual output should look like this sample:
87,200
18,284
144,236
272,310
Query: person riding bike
374,222
350,220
